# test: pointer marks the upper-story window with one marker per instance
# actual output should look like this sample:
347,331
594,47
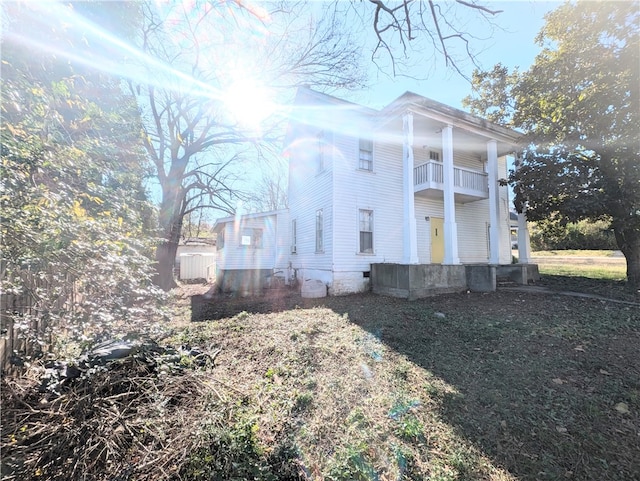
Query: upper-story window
220,240
434,155
366,155
251,238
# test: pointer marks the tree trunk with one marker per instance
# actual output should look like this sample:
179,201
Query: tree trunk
629,243
170,217
165,260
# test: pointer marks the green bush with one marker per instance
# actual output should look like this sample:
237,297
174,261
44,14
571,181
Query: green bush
581,235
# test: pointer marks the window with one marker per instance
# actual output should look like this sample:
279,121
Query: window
319,231
434,155
366,231
220,239
294,236
251,238
366,154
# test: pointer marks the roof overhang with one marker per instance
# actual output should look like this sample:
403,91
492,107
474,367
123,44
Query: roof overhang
446,115
241,218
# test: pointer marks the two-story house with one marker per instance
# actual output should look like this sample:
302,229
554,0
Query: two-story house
407,200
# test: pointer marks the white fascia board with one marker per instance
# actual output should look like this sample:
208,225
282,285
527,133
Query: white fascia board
224,220
446,114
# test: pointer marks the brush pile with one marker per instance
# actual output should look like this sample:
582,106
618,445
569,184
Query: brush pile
124,411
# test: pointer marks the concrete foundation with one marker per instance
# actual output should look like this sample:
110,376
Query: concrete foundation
415,281
245,282
481,278
408,281
519,273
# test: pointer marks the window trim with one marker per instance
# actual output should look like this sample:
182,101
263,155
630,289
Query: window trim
256,241
319,217
294,236
360,231
362,140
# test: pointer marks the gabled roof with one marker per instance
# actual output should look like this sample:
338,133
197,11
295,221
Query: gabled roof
445,113
307,101
322,111
233,218
305,96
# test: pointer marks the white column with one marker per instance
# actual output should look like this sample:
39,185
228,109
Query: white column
524,244
494,202
524,240
450,225
410,237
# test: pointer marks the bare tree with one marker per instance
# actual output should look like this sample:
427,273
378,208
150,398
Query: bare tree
271,191
208,66
424,28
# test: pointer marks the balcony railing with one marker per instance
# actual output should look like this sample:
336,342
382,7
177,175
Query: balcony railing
467,184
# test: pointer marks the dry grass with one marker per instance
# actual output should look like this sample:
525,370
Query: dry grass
461,387
500,386
355,408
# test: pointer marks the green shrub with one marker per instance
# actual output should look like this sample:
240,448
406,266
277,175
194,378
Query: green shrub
581,235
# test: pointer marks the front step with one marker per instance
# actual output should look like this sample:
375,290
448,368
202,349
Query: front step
505,282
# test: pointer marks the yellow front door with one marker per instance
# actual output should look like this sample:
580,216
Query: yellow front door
437,240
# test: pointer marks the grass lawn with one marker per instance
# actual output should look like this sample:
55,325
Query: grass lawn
606,272
597,272
498,386
575,253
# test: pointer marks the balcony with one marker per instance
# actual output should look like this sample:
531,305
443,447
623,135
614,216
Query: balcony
468,185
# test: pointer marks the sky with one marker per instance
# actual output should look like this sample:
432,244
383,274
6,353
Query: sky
512,45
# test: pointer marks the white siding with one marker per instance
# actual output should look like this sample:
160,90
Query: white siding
379,191
473,241
283,242
197,266
234,255
426,208
308,192
468,160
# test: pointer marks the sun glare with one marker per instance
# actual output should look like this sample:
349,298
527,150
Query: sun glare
248,102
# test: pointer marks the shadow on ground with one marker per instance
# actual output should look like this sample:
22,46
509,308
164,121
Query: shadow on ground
547,386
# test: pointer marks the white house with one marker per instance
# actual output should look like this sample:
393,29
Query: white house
406,200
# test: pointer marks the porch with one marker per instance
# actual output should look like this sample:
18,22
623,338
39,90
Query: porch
468,185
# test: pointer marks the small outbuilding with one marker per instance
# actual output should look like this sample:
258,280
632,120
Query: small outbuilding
252,252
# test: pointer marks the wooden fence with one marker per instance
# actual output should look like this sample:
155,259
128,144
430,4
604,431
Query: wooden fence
28,317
